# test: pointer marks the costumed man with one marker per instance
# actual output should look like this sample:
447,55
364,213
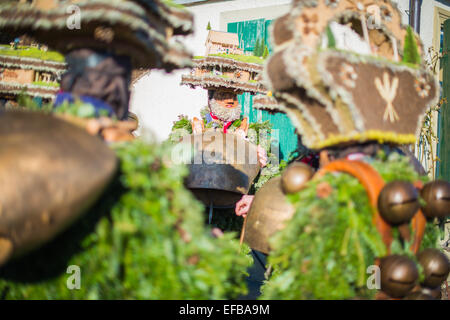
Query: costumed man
100,57
52,171
224,110
355,95
224,78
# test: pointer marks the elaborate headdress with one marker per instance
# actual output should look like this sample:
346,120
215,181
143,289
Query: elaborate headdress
103,40
347,71
227,74
22,69
141,29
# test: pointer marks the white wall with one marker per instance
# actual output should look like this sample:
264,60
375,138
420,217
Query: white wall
157,98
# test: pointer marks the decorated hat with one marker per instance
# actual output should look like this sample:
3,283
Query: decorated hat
349,72
220,72
141,29
30,70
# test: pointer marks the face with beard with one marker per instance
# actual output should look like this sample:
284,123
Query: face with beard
224,105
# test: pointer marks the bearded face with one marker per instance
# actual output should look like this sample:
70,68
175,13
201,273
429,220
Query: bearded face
225,106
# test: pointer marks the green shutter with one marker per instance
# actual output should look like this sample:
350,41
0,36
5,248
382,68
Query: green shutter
249,32
444,153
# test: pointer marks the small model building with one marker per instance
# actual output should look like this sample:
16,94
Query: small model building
29,70
222,42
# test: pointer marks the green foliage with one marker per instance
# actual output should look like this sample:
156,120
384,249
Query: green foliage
144,239
182,127
411,51
331,39
79,109
258,51
208,27
76,108
325,250
28,103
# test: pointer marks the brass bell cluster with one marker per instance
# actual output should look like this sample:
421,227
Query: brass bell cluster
400,275
398,202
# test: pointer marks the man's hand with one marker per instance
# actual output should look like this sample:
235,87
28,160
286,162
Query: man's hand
262,156
243,206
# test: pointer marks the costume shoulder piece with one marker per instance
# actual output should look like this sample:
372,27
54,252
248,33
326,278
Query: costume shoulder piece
141,29
348,71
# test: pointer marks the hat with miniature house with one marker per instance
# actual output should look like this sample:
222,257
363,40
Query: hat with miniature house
348,72
29,69
140,29
225,66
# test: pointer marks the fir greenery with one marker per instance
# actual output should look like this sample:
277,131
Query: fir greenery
411,51
325,250
266,53
144,239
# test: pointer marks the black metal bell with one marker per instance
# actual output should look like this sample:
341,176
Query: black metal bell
398,202
436,267
399,275
295,177
437,197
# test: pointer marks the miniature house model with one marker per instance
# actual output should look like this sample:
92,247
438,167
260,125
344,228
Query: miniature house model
222,42
29,70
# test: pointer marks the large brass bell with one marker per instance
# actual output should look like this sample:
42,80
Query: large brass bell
222,167
398,202
50,172
437,197
268,214
436,267
398,275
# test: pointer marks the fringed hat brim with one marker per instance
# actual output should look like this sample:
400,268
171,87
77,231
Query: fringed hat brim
229,63
264,102
216,82
32,64
16,89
